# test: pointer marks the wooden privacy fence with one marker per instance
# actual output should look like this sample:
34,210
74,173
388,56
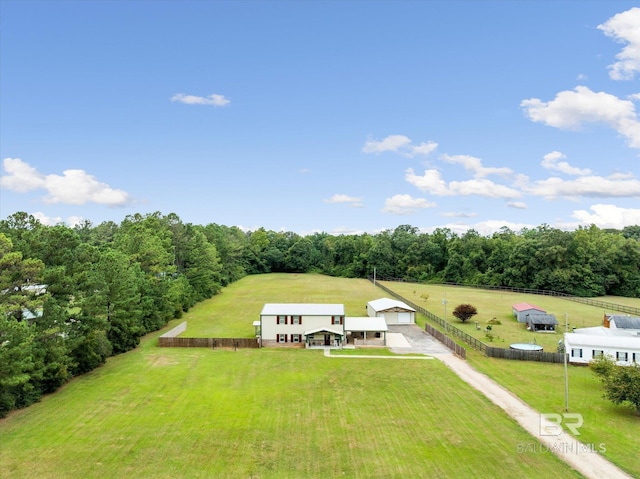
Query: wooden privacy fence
170,339
541,356
448,342
212,343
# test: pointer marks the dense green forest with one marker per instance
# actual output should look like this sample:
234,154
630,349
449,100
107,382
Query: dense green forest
71,297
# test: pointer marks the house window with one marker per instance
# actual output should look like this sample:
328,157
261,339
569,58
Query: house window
282,338
597,353
622,356
295,338
282,319
576,353
296,320
633,356
336,319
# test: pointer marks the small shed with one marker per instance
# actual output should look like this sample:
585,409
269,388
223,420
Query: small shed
392,310
520,311
541,322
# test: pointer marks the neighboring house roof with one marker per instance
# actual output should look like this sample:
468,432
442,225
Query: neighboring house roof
525,307
303,309
541,319
602,331
595,341
366,323
384,304
328,330
625,322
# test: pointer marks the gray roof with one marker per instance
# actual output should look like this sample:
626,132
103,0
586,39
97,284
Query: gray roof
625,322
302,309
541,319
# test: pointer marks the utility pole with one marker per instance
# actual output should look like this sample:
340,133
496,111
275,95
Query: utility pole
566,372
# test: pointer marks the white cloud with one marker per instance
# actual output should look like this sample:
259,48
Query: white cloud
456,214
74,187
424,148
213,99
46,220
519,205
21,177
338,198
405,205
616,186
625,28
551,161
400,144
431,182
474,165
608,216
71,221
571,109
390,143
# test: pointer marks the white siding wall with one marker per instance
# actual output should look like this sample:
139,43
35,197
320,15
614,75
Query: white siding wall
270,328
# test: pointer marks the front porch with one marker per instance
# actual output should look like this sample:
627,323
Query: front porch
323,338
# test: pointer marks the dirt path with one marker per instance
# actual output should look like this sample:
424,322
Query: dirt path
578,455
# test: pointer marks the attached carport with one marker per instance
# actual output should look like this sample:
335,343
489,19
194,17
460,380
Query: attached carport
366,330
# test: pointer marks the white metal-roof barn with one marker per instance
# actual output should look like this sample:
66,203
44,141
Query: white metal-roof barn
392,310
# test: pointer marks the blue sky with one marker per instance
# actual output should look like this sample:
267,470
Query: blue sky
342,117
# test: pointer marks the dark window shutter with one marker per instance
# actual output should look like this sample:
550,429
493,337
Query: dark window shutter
300,319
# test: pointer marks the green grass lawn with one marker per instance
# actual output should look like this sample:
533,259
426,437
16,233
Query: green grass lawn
497,304
541,385
232,313
268,413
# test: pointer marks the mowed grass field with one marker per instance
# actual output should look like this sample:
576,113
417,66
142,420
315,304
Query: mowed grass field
497,304
541,385
268,413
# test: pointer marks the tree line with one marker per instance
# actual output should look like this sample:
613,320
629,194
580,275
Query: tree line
72,296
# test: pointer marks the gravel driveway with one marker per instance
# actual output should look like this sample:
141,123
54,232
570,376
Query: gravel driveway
578,455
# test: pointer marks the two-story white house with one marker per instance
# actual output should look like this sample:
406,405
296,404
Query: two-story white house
301,324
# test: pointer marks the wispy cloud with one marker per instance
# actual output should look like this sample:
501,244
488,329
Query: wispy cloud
75,187
400,144
344,199
614,186
551,161
519,205
433,183
458,214
405,205
213,99
474,165
625,28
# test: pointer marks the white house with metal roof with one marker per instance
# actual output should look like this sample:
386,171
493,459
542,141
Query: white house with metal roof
586,344
392,310
301,324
